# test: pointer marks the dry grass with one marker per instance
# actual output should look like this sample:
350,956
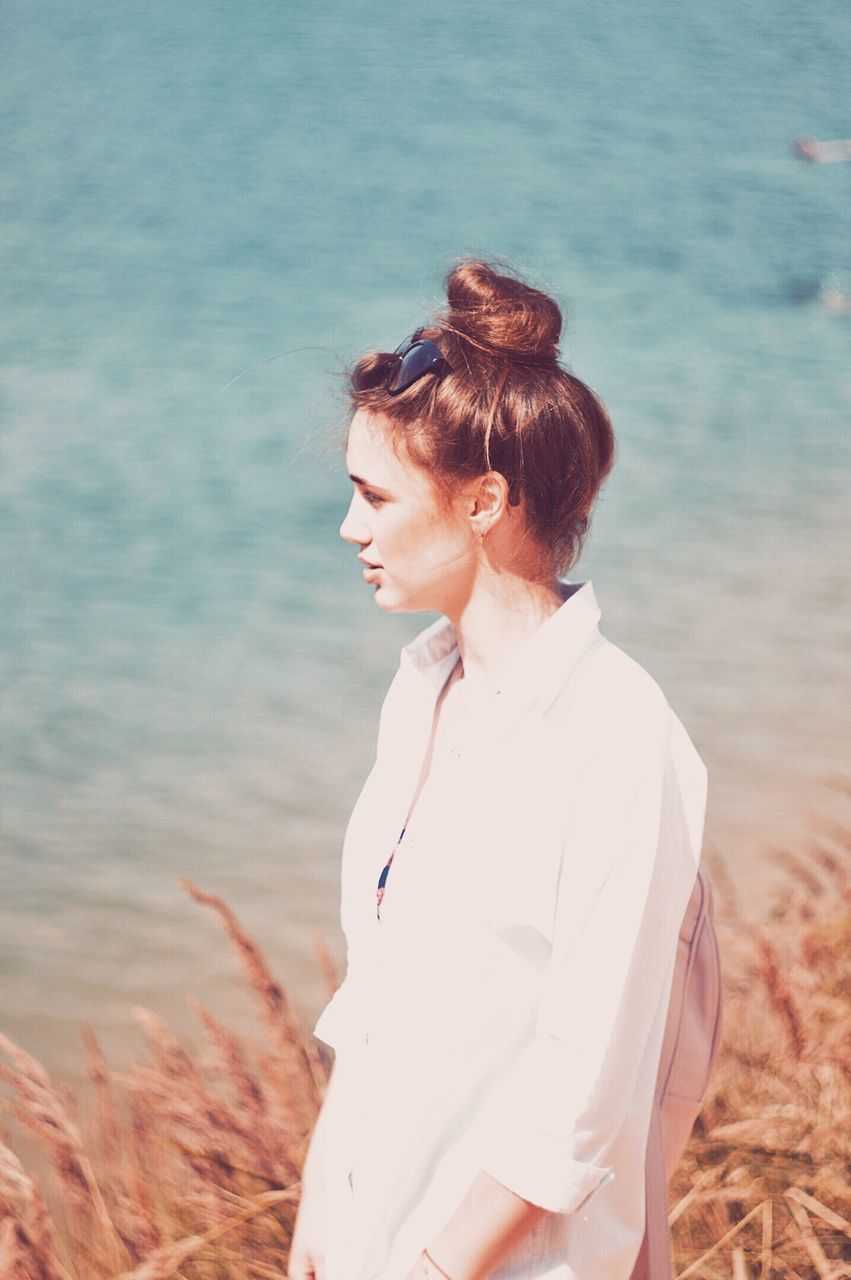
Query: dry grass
765,1185
188,1166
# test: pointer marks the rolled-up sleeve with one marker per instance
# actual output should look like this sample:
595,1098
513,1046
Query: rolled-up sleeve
549,1123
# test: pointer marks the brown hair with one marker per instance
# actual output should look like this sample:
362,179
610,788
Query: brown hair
507,405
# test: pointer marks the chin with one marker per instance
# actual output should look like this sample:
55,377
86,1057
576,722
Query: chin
387,600
386,606
389,604
390,601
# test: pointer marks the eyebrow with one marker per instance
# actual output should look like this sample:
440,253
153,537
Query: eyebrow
365,484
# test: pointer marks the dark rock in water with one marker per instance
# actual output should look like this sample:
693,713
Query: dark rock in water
800,291
805,149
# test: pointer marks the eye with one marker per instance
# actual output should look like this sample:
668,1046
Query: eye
372,498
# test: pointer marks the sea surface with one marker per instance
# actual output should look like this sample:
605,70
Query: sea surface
207,210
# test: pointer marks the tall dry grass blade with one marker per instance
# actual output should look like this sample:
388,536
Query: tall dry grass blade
14,1180
256,1205
835,865
162,1264
41,1230
142,1158
196,1116
259,974
779,993
106,1126
305,1072
820,1210
740,1269
799,868
245,1085
46,1115
812,1244
694,1267
258,1271
31,1238
767,1240
262,1135
688,1199
22,1253
9,1253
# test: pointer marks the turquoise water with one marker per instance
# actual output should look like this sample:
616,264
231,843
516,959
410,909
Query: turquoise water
207,209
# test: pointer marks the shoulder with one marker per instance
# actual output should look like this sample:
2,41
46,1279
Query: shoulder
612,699
627,726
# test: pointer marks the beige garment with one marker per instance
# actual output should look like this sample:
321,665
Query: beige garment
689,1050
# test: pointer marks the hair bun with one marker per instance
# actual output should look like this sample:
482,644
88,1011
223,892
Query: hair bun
501,313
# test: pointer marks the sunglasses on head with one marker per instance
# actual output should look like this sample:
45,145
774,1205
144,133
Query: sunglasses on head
416,357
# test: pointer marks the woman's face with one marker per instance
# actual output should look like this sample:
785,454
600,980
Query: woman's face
418,551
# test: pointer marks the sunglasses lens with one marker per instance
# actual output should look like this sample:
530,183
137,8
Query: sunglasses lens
419,359
404,347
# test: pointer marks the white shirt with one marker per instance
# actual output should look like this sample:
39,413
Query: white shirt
506,1012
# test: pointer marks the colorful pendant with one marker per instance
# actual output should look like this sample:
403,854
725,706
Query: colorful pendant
382,879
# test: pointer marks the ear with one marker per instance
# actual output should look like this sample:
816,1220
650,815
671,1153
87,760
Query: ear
488,502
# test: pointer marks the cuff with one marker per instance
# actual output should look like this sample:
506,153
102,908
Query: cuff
540,1174
537,1133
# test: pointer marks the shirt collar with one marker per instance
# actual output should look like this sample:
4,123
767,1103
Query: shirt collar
540,668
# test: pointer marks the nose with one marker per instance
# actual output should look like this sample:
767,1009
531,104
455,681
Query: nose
353,529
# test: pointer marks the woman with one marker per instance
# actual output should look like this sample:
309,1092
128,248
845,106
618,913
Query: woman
518,864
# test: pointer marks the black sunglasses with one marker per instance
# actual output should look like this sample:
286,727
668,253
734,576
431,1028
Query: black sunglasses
416,356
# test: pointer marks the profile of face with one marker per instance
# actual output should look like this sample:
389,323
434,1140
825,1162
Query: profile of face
419,550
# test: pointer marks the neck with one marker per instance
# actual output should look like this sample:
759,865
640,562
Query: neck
500,614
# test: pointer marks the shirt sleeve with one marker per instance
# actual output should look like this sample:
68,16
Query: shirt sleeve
338,1022
629,862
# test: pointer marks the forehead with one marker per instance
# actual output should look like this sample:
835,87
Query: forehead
371,456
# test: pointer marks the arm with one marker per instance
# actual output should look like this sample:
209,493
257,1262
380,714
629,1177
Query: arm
550,1124
488,1223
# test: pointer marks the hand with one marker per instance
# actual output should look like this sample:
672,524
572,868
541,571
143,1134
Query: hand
307,1255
